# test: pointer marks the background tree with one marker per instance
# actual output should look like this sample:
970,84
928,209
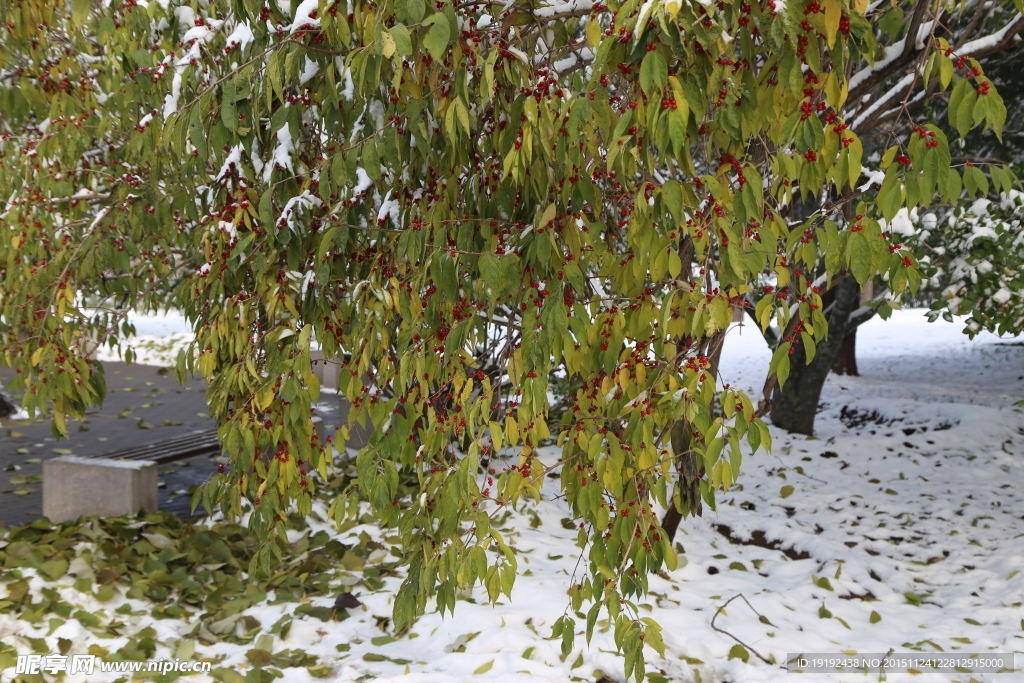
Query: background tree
7,406
901,88
976,269
575,186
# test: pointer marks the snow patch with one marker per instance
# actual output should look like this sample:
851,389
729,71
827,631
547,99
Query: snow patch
282,153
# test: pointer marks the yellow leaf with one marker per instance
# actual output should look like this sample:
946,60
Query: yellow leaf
511,431
675,265
782,274
547,216
833,13
387,46
496,435
594,31
645,460
671,559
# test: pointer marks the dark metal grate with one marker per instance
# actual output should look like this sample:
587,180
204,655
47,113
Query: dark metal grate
197,443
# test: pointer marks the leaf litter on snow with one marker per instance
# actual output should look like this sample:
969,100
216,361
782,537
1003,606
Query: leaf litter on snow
898,527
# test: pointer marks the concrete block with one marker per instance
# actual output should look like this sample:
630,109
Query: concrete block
74,487
325,370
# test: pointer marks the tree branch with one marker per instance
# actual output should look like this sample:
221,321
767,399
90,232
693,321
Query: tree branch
905,57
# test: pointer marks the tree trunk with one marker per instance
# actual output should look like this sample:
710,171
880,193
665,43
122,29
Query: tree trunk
7,406
794,406
846,358
690,472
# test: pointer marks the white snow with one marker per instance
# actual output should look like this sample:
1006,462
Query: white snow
282,153
302,16
185,15
364,183
873,178
563,6
295,207
171,100
234,157
199,33
894,91
241,36
309,69
158,338
390,208
988,41
902,223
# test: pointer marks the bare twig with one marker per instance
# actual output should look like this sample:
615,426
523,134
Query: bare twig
763,619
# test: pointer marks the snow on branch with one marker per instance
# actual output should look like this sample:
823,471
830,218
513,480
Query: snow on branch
993,41
303,16
894,92
892,53
564,8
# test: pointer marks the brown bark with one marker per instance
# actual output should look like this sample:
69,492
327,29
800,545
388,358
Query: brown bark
690,472
846,357
7,406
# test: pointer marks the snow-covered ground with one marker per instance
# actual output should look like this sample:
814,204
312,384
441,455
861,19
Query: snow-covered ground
158,338
899,527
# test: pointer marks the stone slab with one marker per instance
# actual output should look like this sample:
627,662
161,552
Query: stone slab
327,372
74,487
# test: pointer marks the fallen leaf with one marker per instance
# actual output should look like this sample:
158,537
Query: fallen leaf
346,601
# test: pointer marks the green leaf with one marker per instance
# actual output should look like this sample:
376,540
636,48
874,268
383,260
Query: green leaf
53,569
996,113
228,113
483,668
875,617
965,112
196,132
438,35
786,491
414,10
80,11
861,256
888,157
653,72
739,652
403,41
782,371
